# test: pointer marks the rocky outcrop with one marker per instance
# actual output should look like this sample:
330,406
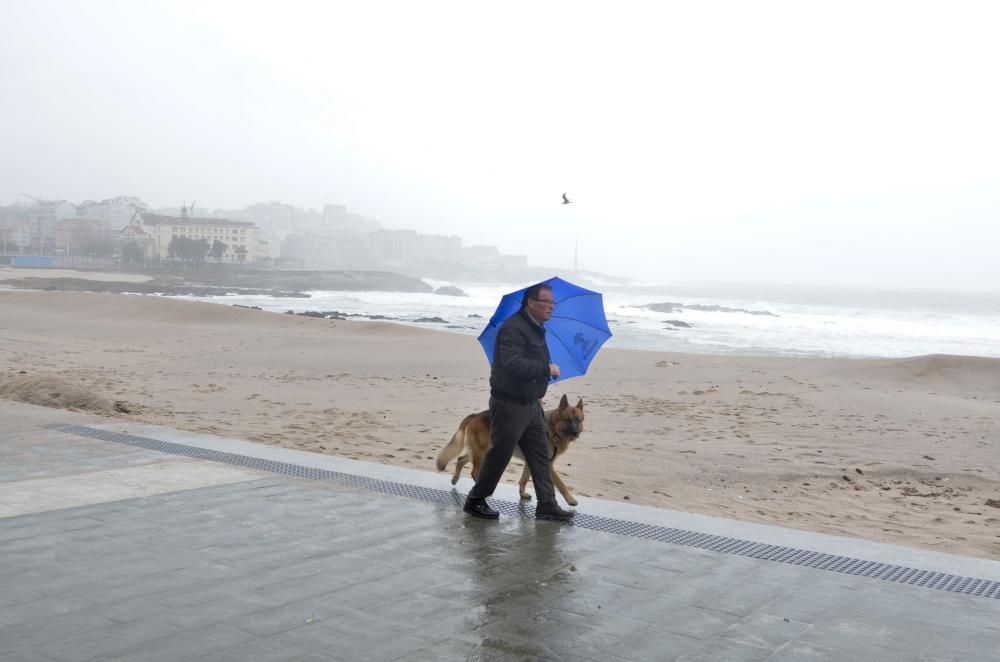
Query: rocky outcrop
216,280
450,291
323,314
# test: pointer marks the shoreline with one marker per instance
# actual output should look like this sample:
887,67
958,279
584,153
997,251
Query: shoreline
705,328
892,450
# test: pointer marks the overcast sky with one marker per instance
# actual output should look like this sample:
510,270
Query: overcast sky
800,142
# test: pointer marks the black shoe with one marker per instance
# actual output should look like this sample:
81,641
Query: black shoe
552,511
479,508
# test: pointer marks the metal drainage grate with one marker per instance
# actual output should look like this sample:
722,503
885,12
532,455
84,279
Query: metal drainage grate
842,564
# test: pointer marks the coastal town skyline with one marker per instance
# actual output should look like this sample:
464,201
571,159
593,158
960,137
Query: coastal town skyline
779,143
127,230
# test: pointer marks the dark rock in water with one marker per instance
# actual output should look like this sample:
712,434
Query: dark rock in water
379,317
433,320
475,315
450,290
320,314
664,307
240,305
679,323
277,294
333,315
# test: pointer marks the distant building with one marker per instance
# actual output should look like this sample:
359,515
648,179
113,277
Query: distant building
394,249
20,236
362,224
300,248
7,217
337,221
280,218
334,219
436,249
113,213
274,219
74,235
42,218
481,256
344,252
134,233
242,238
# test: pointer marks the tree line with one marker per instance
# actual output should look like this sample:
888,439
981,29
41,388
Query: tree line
196,250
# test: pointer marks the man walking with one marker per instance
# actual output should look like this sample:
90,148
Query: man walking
519,378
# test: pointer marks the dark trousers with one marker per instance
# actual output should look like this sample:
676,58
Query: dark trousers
516,425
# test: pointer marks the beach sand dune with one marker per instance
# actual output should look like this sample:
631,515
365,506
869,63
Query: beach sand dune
902,451
974,372
51,391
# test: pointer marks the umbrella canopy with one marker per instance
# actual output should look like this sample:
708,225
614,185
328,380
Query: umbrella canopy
576,331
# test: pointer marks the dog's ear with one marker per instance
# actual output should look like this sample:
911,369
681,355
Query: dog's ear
564,402
579,404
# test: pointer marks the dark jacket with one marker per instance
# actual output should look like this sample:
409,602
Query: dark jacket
520,371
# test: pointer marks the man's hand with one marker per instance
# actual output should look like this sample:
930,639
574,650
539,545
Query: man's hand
553,371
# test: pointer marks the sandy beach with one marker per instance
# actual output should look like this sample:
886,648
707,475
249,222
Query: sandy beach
903,451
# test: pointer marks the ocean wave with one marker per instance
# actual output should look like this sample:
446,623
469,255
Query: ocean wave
699,324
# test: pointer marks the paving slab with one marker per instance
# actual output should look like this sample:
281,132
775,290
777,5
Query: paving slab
220,549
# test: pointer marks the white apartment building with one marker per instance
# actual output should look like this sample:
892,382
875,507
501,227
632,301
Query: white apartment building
275,223
273,220
113,213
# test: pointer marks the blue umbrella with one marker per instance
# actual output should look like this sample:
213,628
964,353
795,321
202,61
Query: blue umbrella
576,331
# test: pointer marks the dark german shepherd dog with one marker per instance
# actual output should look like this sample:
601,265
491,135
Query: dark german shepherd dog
563,426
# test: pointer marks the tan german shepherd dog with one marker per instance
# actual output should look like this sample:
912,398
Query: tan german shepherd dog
563,426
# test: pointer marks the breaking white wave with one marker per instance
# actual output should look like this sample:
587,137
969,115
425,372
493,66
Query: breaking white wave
826,323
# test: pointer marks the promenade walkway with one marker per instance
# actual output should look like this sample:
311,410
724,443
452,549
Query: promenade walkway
131,542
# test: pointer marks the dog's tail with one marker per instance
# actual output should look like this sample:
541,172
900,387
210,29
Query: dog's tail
454,447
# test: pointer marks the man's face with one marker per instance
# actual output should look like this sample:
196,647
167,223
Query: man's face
542,306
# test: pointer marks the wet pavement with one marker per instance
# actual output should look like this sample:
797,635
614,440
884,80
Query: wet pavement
239,551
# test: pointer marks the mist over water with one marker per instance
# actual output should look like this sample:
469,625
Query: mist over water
821,322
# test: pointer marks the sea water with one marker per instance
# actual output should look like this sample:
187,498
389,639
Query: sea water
713,319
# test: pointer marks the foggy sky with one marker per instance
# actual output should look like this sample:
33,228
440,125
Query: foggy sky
827,143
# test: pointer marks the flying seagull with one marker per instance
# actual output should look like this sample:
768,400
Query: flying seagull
566,200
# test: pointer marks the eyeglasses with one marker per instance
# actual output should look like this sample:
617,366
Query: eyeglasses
546,302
